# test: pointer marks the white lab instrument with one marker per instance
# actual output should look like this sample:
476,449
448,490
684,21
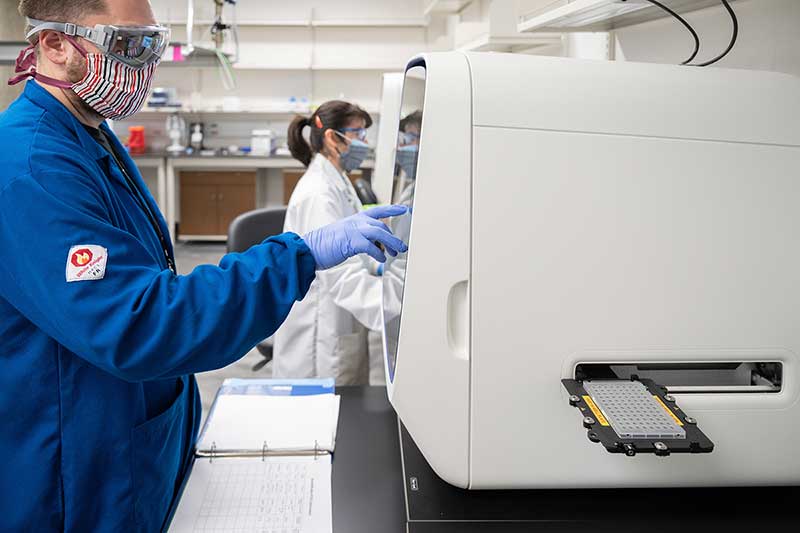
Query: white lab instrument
262,142
578,218
197,136
383,175
176,129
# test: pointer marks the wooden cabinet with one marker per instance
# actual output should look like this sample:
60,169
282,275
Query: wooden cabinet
211,200
290,179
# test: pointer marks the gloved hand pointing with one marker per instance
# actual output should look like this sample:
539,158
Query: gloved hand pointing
356,234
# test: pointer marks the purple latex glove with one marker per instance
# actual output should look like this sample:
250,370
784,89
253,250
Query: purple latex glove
357,234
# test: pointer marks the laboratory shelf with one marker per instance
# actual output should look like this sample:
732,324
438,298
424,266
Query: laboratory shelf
489,43
218,111
322,67
374,23
601,15
445,6
308,23
249,111
9,50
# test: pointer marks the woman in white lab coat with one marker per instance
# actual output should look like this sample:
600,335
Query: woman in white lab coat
326,333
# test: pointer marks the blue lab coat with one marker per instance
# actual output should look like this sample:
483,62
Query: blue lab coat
99,410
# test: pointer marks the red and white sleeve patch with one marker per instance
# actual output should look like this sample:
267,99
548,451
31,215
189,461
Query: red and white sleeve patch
86,262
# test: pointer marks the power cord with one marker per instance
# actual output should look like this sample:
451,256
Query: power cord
686,24
734,36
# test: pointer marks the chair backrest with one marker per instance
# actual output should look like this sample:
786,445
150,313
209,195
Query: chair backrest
251,228
365,192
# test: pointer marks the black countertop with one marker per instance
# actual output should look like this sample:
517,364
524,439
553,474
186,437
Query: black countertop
367,476
369,495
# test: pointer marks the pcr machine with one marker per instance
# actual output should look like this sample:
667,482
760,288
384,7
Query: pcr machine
603,275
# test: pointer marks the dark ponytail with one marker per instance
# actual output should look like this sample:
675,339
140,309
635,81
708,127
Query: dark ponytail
334,115
297,144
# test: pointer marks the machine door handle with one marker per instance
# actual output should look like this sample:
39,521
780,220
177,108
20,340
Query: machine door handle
458,319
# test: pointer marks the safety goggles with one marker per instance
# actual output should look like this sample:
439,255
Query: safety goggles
361,133
137,46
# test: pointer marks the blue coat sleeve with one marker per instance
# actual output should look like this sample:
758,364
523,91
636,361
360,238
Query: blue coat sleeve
140,322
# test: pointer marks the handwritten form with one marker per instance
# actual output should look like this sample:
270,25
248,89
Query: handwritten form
254,494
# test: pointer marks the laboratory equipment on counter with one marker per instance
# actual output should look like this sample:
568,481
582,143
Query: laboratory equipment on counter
197,136
163,97
136,140
607,222
218,29
262,142
176,129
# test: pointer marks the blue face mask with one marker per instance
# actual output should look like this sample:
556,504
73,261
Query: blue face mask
407,159
355,154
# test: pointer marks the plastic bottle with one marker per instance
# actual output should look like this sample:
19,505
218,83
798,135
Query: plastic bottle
136,141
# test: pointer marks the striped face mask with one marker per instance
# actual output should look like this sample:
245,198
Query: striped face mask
113,89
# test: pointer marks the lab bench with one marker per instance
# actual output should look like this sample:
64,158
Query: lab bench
217,188
381,482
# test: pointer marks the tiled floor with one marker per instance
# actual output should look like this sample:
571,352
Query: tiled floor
188,256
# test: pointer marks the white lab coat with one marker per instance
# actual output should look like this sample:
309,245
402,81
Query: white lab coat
325,334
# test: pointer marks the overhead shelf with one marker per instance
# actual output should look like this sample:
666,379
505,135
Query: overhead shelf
445,6
601,15
332,23
252,66
374,23
220,111
498,33
9,50
198,55
320,67
489,43
280,112
266,23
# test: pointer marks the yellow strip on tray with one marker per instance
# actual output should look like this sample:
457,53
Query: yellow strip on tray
596,410
667,409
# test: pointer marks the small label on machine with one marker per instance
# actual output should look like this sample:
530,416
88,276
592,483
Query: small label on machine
598,415
668,410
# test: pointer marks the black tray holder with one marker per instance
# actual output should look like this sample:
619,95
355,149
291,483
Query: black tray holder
695,441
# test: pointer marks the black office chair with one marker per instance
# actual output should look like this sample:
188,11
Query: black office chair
249,229
364,191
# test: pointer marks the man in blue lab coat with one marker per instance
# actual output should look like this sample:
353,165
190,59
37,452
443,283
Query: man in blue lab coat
99,336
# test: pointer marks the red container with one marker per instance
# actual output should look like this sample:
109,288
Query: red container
136,143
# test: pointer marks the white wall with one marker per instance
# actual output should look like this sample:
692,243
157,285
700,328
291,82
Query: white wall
769,37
